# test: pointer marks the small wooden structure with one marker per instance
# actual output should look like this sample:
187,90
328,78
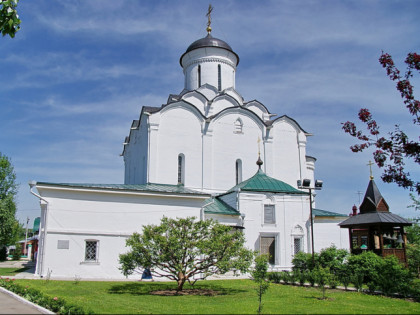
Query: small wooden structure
376,229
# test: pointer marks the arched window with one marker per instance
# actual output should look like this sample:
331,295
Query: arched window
199,75
219,77
181,168
238,171
237,128
297,235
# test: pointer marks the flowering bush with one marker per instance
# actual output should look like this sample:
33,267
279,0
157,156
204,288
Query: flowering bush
54,304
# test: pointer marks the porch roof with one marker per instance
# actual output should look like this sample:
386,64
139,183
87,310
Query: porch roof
372,218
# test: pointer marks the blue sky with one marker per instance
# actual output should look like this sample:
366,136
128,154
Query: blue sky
78,73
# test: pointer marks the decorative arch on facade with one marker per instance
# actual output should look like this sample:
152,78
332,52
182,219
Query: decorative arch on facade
297,236
291,122
218,104
259,108
186,106
237,110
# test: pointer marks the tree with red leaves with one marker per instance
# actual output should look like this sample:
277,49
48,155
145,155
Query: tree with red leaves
392,151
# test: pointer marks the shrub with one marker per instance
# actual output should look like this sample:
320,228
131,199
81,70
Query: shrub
304,262
365,265
300,276
413,259
357,280
333,282
332,258
274,277
393,277
344,276
415,289
311,277
285,276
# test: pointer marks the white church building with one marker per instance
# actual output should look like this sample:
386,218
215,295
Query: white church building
193,156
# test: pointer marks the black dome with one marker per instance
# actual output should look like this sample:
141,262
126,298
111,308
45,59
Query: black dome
209,41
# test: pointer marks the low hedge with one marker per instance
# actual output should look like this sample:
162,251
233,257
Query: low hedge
54,304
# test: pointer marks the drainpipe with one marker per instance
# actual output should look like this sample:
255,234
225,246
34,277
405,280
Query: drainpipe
40,256
202,208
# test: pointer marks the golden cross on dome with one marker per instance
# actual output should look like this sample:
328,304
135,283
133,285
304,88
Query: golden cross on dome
209,18
259,142
370,168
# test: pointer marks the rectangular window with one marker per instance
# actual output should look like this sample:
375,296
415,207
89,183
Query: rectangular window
269,215
297,245
268,246
91,251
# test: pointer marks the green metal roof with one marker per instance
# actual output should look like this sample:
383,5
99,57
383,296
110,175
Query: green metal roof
36,224
261,182
178,189
217,206
324,213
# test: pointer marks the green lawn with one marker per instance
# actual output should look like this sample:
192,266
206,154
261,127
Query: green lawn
235,297
9,272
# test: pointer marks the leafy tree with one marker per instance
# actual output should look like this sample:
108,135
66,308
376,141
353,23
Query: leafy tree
322,278
413,259
182,249
393,150
8,190
259,275
9,19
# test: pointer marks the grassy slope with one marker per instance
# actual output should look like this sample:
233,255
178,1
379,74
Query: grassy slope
237,297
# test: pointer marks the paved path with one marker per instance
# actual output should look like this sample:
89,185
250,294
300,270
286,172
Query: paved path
11,305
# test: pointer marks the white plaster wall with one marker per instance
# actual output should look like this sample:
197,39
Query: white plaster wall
198,100
179,132
110,217
328,233
286,158
289,212
221,103
136,155
209,58
69,263
257,109
228,146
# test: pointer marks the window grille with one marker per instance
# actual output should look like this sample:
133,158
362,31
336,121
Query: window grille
269,217
268,246
297,245
91,252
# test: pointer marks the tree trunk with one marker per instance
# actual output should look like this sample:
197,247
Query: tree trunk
181,280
